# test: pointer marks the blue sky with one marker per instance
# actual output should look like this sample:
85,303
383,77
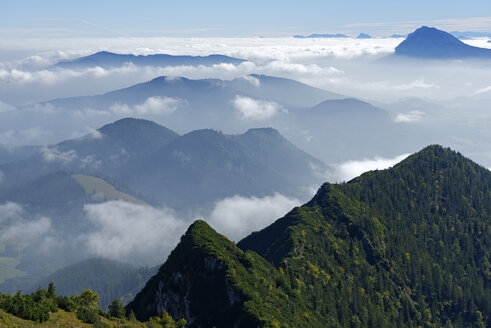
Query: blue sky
111,18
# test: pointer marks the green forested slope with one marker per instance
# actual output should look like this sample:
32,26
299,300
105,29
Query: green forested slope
403,247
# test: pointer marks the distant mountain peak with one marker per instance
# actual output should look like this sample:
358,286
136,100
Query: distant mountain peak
432,43
363,36
131,123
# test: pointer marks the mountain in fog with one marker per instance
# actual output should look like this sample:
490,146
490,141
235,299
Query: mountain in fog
206,165
431,43
183,104
344,129
205,93
102,152
110,60
363,36
201,166
10,154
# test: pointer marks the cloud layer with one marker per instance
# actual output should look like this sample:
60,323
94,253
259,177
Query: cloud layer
138,234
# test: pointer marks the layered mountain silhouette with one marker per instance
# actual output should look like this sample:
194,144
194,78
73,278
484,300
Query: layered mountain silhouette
206,93
431,43
141,162
156,164
389,248
111,60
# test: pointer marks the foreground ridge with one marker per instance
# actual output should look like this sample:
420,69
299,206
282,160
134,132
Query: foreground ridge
406,246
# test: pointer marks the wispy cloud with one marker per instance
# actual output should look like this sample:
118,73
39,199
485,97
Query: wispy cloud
237,216
351,169
483,90
257,110
151,106
19,229
412,116
132,233
457,24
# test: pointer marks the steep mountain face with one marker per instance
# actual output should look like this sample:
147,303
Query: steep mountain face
209,281
109,279
401,247
429,42
110,60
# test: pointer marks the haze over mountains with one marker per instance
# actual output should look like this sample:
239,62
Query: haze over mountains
106,59
99,181
133,163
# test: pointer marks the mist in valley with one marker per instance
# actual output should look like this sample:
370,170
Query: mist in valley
237,144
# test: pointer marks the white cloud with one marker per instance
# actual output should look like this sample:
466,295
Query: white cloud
132,233
93,134
351,169
51,154
483,90
27,136
258,110
252,80
412,116
10,211
19,231
151,106
238,216
158,105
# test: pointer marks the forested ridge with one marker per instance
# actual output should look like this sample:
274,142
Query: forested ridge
403,247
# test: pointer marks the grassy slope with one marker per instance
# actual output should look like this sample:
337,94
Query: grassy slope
96,187
58,319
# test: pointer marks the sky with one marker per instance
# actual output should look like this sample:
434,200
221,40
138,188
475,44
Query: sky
144,18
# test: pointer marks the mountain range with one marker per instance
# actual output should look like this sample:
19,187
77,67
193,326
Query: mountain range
160,166
106,59
403,247
239,104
